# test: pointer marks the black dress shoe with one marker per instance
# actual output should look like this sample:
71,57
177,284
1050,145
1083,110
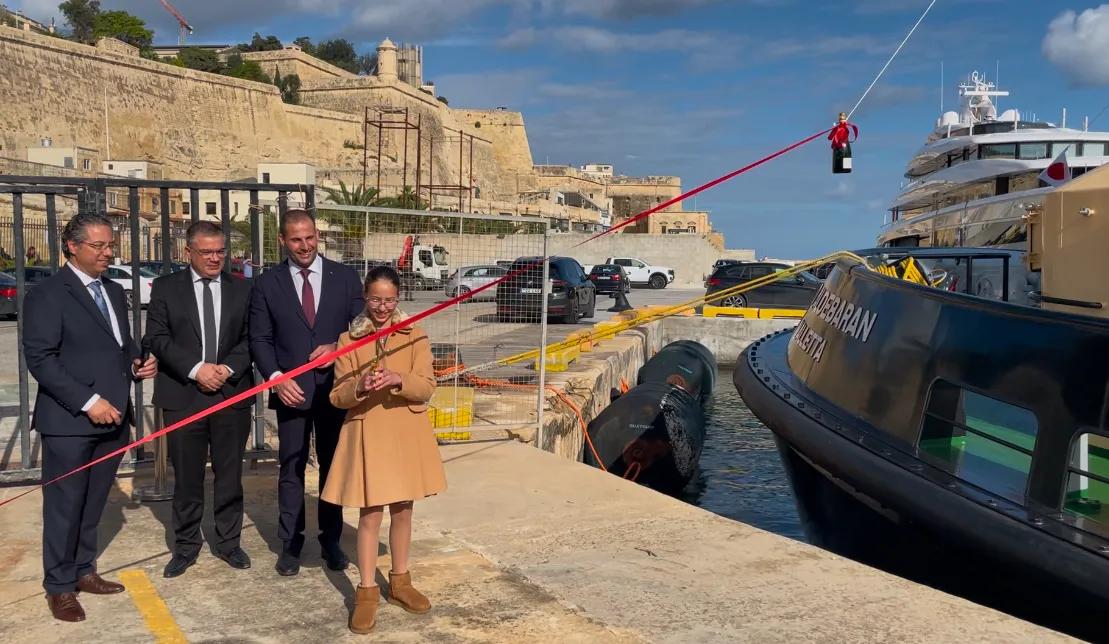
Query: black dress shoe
235,558
334,556
288,564
177,566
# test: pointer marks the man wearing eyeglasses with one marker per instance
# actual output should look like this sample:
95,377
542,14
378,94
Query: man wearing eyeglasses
78,346
197,327
297,311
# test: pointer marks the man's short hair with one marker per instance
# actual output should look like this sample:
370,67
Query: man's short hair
296,215
202,229
76,229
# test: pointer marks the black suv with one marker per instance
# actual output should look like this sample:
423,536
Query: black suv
572,295
610,278
788,292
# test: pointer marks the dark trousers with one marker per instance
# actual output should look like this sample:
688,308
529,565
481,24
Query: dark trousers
224,434
294,428
71,508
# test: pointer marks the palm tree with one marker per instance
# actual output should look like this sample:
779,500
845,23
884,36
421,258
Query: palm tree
355,196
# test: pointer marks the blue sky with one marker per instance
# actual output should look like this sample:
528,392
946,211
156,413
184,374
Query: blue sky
698,88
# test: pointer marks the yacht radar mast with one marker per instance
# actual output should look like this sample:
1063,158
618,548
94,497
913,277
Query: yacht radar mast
976,93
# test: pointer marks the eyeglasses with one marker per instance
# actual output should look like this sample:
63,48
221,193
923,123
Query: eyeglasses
388,302
100,246
209,254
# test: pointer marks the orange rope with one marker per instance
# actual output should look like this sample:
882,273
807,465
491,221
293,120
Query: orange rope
638,470
479,382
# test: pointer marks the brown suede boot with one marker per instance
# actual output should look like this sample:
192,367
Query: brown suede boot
364,615
404,595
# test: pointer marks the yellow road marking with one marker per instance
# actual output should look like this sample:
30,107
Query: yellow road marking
154,611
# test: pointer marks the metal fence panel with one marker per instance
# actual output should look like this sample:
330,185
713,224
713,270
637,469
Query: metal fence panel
483,390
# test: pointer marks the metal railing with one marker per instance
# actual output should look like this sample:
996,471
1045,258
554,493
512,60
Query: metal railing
91,195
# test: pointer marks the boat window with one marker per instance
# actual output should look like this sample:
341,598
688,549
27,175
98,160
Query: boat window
1033,151
1092,150
983,441
998,151
1070,146
1088,478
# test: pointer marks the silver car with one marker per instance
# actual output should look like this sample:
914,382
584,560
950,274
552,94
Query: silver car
470,278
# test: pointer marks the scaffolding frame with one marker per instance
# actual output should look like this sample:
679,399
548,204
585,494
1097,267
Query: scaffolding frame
381,123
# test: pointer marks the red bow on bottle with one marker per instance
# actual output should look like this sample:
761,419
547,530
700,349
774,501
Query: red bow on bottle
841,133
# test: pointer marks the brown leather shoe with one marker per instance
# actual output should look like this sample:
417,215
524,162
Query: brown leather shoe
364,615
401,593
65,607
94,584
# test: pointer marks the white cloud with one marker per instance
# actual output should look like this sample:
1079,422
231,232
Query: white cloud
1078,44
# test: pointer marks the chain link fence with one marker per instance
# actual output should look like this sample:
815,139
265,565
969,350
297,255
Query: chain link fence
484,346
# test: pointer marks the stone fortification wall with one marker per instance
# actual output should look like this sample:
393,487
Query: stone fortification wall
293,60
438,123
198,125
509,137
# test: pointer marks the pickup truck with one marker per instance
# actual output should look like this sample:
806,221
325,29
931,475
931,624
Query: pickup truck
640,272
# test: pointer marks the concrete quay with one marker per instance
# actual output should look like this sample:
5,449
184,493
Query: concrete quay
524,547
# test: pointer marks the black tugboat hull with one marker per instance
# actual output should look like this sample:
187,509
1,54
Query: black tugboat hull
848,415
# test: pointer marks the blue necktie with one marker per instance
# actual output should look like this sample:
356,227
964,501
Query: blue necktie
98,297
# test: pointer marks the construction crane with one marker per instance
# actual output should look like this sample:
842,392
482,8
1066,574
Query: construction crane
184,24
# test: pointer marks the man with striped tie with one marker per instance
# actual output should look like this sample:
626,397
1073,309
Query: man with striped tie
79,348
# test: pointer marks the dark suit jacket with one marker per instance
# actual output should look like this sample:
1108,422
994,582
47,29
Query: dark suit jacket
173,334
72,353
280,338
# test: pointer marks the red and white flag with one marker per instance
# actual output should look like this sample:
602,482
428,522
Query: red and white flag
1058,172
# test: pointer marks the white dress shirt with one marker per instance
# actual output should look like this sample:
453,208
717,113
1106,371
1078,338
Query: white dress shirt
315,278
86,280
198,292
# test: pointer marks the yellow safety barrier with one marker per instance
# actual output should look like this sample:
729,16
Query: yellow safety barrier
451,407
748,312
559,359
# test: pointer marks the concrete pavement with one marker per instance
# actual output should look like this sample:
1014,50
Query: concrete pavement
523,547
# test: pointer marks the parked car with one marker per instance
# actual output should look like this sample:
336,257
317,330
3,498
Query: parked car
469,278
572,295
725,262
7,295
504,263
121,274
610,278
640,272
787,292
158,268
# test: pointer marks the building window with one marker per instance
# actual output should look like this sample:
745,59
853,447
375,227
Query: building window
210,208
86,164
111,166
172,207
236,208
186,208
154,202
67,162
981,440
1088,478
265,177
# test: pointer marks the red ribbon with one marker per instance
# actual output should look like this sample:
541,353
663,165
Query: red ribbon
840,135
329,357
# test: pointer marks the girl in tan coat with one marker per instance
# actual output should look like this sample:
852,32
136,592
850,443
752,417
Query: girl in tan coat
387,454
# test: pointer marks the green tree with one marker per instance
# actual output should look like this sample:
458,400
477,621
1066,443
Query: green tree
245,69
258,43
338,52
80,16
406,199
305,43
204,60
289,86
367,64
122,26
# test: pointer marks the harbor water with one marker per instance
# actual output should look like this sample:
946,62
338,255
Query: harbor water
741,475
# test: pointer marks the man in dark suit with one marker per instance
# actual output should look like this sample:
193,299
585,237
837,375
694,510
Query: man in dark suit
297,311
78,346
202,344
